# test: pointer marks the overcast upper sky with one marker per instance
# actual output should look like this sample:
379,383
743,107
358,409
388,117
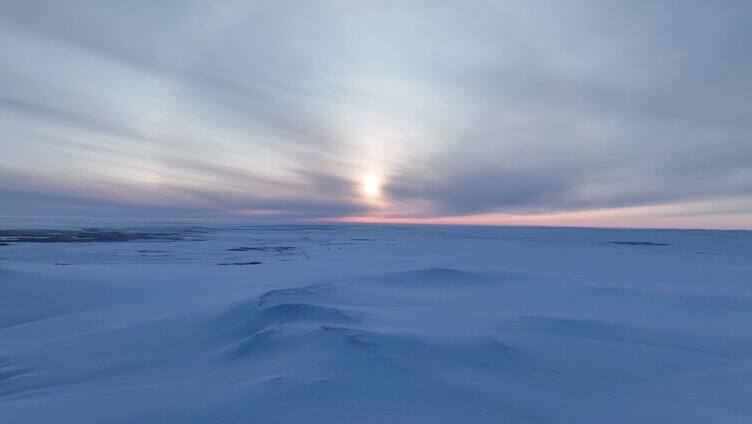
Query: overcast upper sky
623,113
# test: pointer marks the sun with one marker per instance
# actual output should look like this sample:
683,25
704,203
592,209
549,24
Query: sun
371,185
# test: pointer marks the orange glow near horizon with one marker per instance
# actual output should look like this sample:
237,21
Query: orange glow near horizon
638,217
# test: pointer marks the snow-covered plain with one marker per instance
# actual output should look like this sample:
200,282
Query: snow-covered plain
378,324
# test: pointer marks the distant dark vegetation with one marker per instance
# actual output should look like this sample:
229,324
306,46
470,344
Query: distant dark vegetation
88,235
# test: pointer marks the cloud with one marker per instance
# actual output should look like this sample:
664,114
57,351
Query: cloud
268,108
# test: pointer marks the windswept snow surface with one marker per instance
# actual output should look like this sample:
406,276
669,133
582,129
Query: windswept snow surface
375,324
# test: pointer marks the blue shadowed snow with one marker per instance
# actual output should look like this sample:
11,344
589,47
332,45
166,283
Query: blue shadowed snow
374,324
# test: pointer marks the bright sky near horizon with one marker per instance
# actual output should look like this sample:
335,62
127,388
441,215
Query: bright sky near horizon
596,113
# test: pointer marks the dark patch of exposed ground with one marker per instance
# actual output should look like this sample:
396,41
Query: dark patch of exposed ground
262,248
639,243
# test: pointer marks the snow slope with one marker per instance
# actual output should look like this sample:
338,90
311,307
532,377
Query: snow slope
379,324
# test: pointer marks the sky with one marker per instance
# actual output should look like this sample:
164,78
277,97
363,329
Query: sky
585,113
